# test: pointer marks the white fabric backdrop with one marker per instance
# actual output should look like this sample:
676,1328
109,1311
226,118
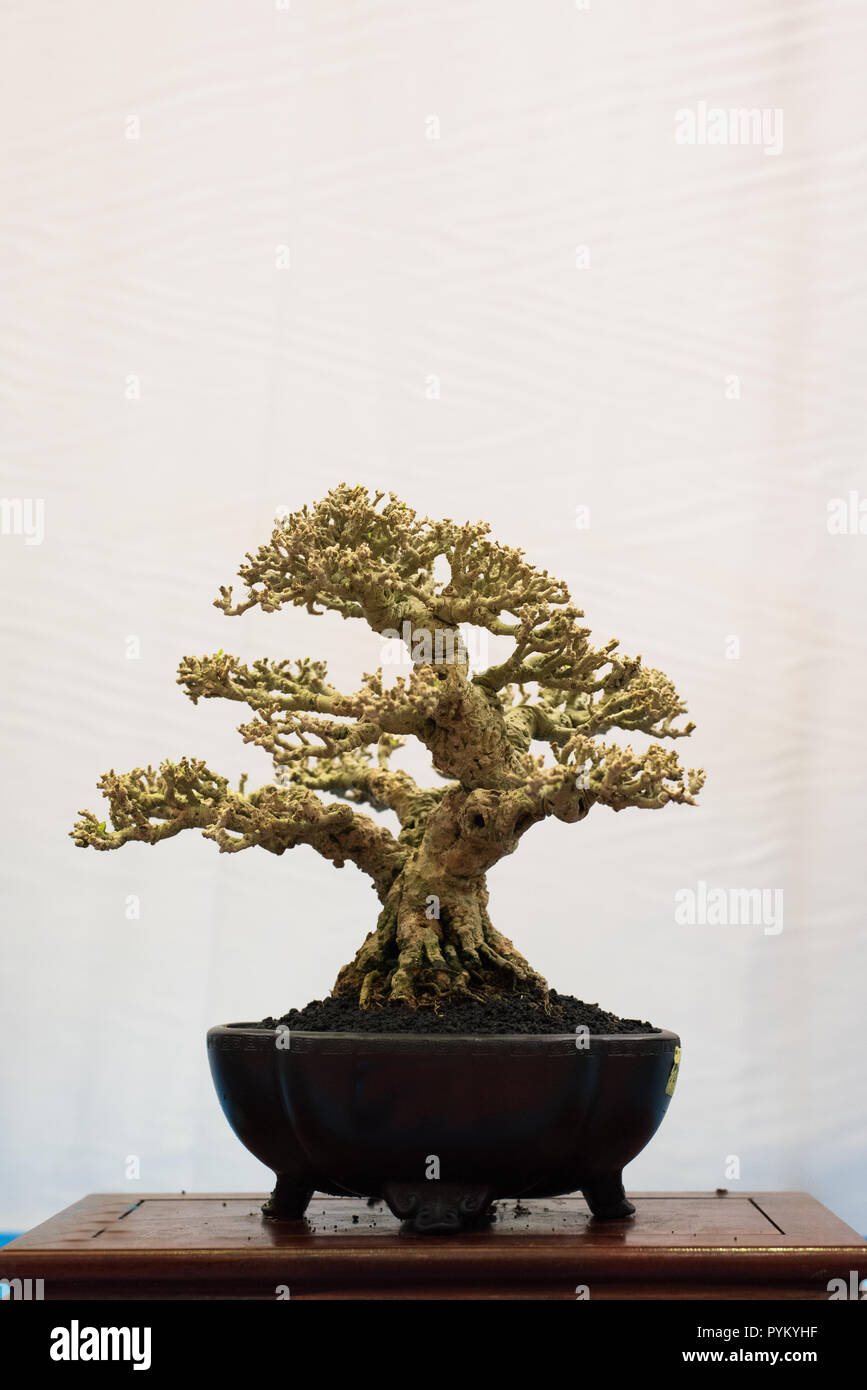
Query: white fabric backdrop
169,383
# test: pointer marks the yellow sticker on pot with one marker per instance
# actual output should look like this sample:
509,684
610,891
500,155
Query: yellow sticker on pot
672,1078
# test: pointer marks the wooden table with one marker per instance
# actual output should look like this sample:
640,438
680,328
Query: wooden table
678,1245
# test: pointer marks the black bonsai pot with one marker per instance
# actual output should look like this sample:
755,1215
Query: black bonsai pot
440,1126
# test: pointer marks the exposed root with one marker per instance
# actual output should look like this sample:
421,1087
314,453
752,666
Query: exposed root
426,962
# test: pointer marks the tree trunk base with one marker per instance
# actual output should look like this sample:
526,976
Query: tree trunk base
429,948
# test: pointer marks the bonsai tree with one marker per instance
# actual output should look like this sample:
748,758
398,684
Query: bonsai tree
517,742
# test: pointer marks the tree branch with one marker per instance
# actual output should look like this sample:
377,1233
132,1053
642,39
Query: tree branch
353,777
647,704
591,773
151,806
267,685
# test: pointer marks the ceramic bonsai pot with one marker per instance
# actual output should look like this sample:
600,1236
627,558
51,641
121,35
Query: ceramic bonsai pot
440,1126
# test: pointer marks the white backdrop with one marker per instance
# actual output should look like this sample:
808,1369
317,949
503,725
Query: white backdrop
238,267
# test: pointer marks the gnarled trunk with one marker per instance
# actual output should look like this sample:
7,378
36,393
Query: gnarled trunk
435,941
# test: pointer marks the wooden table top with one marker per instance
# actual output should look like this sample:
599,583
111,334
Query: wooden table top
216,1245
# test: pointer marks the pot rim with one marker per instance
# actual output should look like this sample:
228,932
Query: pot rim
663,1040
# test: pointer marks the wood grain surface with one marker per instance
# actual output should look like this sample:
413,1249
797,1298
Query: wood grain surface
214,1245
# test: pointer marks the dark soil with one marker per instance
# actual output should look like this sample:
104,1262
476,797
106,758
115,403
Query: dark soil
510,1014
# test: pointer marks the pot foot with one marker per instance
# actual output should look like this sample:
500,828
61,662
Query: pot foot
434,1207
606,1198
288,1201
